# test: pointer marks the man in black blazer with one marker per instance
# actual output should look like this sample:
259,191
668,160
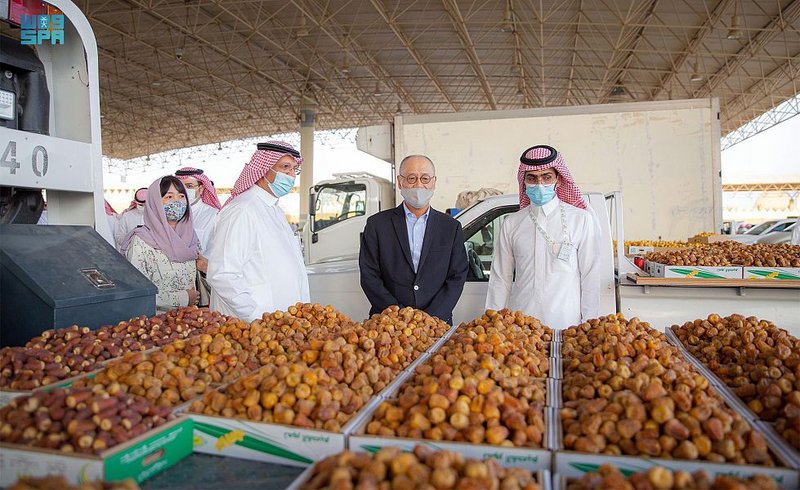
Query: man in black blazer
413,255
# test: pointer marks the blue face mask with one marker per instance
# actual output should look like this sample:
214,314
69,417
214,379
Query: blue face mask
540,194
175,210
282,185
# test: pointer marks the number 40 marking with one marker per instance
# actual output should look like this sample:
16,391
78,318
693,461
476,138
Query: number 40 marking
9,159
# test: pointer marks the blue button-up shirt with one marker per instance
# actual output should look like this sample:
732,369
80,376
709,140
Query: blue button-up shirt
416,233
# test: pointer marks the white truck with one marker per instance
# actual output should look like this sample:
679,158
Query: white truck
663,156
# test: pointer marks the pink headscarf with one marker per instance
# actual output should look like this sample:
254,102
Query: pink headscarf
209,195
109,210
542,157
179,244
260,163
139,196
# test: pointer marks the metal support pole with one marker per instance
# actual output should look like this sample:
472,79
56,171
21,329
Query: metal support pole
307,120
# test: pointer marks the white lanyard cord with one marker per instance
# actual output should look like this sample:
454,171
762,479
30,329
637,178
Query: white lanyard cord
544,233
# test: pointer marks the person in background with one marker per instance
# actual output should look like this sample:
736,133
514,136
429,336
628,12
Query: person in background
109,209
413,255
111,216
204,203
795,240
165,247
131,217
255,264
546,262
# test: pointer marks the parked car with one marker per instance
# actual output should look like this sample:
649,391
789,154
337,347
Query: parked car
784,236
763,229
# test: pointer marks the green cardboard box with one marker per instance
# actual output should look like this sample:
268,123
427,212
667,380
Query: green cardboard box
772,273
139,458
258,441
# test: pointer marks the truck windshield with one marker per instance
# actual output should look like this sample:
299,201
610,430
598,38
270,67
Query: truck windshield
757,230
339,202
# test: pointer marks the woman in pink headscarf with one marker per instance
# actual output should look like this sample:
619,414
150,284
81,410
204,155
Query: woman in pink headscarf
545,261
204,203
165,247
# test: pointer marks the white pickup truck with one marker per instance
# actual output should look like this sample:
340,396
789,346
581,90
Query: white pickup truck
332,239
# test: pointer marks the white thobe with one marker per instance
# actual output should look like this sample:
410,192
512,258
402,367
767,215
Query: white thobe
559,293
203,217
112,221
255,264
128,220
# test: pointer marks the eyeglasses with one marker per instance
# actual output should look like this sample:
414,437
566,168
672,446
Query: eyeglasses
542,179
286,168
425,179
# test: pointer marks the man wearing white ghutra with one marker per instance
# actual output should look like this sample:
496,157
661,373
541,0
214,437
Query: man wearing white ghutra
545,262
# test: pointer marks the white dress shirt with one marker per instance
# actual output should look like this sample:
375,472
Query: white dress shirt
203,217
255,264
559,293
128,220
416,233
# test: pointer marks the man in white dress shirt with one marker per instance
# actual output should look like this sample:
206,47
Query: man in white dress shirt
255,264
545,261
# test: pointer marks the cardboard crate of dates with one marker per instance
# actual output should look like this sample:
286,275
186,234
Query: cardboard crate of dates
421,467
89,434
632,400
301,405
483,394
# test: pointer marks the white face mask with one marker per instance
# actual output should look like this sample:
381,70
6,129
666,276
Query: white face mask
191,195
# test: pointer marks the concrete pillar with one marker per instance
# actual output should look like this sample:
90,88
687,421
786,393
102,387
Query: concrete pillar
307,119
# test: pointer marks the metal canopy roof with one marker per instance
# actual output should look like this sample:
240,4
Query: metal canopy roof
177,73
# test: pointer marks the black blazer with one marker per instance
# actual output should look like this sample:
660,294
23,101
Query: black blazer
387,272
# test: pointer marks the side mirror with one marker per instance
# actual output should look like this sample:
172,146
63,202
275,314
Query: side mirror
312,206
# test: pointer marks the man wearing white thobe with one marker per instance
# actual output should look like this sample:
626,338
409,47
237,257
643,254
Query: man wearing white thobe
131,217
255,264
204,202
545,262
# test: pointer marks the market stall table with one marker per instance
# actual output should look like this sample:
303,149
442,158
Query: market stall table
666,302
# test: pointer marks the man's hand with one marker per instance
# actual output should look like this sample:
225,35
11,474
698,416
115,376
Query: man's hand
202,264
194,296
